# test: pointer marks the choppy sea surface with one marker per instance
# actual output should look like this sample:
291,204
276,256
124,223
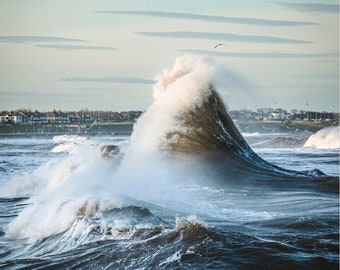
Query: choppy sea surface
67,204
186,190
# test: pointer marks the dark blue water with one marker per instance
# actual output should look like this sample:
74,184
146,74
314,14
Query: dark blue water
73,209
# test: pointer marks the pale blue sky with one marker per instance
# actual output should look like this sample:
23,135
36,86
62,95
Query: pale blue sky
72,55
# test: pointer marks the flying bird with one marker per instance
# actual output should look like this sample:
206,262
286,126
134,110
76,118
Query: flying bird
219,44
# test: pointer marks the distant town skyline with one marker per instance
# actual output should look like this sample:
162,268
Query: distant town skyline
29,117
105,55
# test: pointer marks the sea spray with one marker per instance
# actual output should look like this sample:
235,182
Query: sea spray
65,189
189,120
176,91
85,189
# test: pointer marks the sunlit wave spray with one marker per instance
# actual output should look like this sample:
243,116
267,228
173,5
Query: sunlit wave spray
189,119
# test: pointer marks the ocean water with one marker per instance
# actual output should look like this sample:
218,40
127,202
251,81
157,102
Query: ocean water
187,190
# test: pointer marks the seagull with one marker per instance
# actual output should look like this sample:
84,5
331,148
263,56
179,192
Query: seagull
219,44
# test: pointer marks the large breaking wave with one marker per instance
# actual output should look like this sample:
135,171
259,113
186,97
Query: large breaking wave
188,119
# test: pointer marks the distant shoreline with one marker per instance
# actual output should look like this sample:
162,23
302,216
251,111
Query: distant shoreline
51,135
50,130
126,128
289,126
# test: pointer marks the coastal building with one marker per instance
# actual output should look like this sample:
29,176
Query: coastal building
4,118
51,118
17,119
11,118
28,117
61,118
279,116
35,117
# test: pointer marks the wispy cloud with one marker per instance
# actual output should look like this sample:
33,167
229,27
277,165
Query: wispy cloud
209,18
312,7
222,37
134,80
35,39
58,42
74,47
262,54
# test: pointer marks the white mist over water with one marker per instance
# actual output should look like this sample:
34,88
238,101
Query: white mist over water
64,190
82,183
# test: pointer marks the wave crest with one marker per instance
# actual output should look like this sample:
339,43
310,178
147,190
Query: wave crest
189,119
326,138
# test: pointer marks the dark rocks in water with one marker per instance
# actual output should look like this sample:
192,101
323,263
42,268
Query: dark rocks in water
109,150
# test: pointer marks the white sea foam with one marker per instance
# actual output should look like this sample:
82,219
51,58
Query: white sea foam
65,188
69,138
68,143
247,134
326,138
82,184
65,147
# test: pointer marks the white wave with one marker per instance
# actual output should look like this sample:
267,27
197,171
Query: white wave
65,148
190,223
44,218
64,189
69,138
326,138
252,134
68,143
81,185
